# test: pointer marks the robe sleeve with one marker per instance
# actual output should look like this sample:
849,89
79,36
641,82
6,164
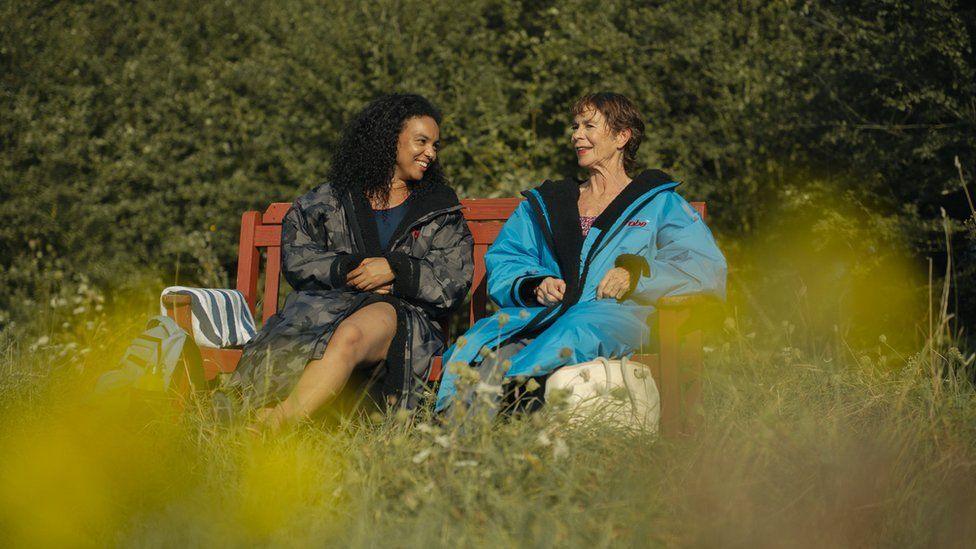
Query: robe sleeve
515,261
684,258
305,260
441,278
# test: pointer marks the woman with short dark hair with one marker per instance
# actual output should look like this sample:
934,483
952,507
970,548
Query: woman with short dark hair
375,255
578,267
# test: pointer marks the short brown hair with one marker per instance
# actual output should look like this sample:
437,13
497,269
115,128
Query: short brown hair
621,114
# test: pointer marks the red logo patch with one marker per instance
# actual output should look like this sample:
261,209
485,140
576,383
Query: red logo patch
636,223
415,234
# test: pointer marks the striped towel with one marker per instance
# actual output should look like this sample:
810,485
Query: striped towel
221,318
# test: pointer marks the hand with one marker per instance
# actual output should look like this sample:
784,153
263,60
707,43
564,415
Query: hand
550,291
371,274
384,289
615,284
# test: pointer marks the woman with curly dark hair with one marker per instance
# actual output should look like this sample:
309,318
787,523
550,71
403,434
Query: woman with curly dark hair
375,256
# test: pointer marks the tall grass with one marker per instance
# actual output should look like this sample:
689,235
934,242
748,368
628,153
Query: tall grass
795,449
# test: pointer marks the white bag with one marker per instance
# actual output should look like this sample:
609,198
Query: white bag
621,392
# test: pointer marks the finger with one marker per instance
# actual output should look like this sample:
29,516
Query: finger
551,298
354,278
560,285
601,289
354,272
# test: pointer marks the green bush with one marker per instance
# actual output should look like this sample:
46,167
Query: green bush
130,131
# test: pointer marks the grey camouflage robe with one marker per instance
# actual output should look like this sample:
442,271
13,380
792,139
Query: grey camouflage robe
324,235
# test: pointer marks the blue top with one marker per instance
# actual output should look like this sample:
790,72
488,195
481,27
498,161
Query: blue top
388,220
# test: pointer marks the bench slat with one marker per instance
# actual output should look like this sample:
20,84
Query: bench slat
489,209
267,236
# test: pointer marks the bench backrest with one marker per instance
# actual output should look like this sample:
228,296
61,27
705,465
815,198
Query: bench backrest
485,217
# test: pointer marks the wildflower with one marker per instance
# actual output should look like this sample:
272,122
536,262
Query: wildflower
532,385
543,439
560,449
487,389
443,440
503,319
461,342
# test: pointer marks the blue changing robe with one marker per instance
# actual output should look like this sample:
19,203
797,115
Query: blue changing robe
648,229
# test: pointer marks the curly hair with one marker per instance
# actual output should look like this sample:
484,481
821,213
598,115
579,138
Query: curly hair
365,158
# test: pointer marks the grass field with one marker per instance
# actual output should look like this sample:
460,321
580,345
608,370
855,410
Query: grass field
796,449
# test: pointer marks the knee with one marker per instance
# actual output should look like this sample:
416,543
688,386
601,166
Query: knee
347,337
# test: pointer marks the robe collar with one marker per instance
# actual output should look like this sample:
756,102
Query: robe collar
422,202
561,201
640,185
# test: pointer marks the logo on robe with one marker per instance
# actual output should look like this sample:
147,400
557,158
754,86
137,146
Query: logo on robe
636,223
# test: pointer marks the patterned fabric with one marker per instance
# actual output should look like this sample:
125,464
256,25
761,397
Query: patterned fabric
323,237
221,318
586,221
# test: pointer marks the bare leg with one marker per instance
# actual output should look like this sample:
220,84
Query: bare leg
362,338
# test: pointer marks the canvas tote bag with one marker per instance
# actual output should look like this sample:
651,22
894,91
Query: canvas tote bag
618,391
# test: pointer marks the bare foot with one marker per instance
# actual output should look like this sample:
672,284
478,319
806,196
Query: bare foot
269,420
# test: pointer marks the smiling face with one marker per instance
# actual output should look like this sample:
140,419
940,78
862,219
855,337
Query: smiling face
416,148
596,145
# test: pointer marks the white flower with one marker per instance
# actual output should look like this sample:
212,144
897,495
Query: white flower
443,440
560,449
487,389
421,456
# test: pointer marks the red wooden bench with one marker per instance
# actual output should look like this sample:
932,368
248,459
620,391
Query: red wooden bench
676,367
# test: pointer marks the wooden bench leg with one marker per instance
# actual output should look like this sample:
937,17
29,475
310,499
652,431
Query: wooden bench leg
680,372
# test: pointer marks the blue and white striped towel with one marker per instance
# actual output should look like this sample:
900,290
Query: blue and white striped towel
221,318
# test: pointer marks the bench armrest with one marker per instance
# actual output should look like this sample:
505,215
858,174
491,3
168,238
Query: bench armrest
175,300
682,301
178,308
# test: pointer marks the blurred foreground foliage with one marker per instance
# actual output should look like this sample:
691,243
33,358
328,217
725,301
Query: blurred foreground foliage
795,449
133,135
